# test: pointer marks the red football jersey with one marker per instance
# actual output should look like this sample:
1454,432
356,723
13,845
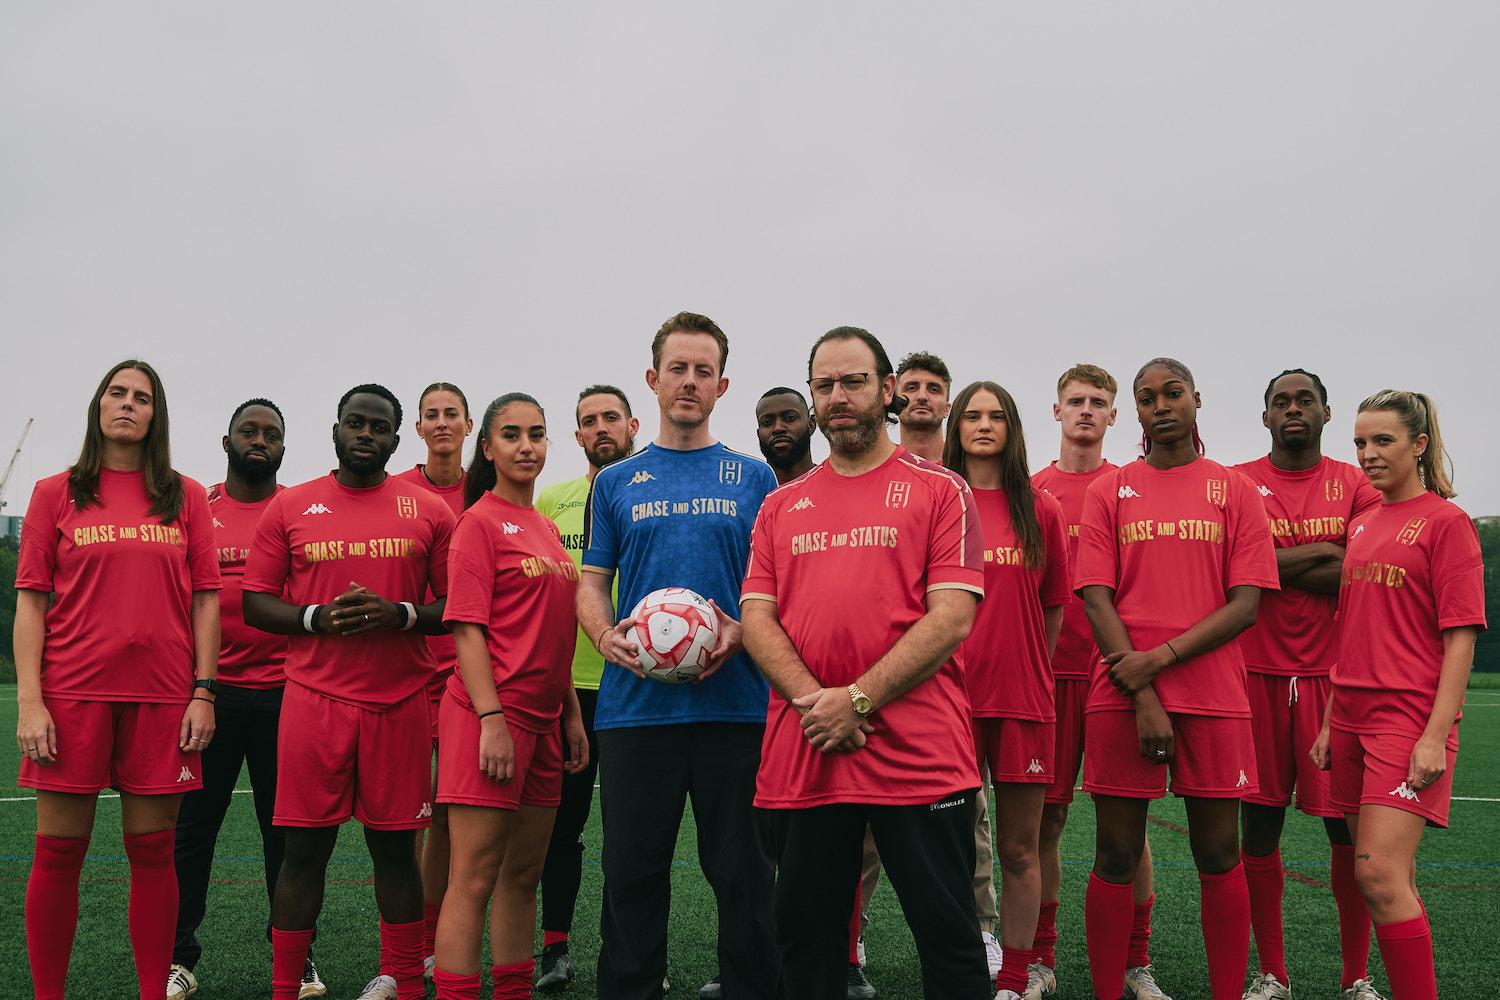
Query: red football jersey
248,657
120,626
849,562
1006,668
1075,654
1171,543
508,571
1413,569
1294,633
314,540
442,647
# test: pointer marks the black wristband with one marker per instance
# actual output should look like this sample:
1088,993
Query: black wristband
493,711
196,698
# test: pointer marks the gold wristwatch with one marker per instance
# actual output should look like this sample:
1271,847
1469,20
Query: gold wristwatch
863,706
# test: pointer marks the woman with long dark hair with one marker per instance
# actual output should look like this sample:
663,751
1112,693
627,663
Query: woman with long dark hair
1411,605
116,648
1173,554
511,586
1007,656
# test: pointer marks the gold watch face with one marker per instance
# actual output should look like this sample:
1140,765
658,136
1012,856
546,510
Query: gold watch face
862,704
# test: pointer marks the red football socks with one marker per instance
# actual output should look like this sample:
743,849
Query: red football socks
1140,933
1013,965
152,912
1267,883
288,956
1354,916
52,911
452,986
854,925
1407,949
401,954
512,982
430,913
1224,909
1106,922
550,938
1046,935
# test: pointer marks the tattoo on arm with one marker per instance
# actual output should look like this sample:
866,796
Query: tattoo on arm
1362,856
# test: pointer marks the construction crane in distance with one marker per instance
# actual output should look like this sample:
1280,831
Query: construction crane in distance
11,465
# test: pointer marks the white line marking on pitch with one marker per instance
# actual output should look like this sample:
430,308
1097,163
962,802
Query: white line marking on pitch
107,795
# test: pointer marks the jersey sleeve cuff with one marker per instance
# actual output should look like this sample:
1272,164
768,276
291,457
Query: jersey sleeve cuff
971,588
601,570
752,596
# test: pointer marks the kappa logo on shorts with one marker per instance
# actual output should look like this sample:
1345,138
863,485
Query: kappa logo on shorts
407,507
897,494
1126,493
804,504
731,473
318,508
1035,767
1405,791
1244,780
1333,490
641,477
511,529
1264,491
186,775
425,812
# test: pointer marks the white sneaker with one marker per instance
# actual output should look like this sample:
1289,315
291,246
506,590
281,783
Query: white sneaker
992,953
859,949
312,984
1361,990
380,988
429,964
1041,981
1266,986
1140,984
180,983
1007,995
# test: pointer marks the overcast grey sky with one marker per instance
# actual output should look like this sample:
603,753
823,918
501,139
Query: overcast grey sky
287,199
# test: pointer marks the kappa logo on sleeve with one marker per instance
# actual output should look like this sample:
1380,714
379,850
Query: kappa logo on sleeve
317,508
641,477
1264,490
511,529
407,507
804,504
1126,493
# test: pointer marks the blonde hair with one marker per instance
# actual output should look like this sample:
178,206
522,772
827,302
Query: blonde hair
1418,414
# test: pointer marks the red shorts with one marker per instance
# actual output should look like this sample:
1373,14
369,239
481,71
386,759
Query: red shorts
1072,695
536,780
1286,714
1370,769
1213,758
337,761
1016,750
128,745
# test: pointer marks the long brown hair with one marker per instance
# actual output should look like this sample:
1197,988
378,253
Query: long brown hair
1418,414
1015,471
163,484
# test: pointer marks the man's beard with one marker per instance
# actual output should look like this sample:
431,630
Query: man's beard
921,423
783,462
856,440
360,466
599,462
253,472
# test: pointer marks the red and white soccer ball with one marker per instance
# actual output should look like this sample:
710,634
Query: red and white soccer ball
675,631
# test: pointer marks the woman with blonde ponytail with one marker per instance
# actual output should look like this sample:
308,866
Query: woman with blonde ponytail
1411,604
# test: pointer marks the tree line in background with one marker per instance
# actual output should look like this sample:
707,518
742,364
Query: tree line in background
1486,657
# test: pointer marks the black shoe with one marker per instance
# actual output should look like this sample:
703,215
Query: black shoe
711,990
557,969
859,986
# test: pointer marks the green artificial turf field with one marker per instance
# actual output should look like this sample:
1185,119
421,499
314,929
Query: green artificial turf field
1459,877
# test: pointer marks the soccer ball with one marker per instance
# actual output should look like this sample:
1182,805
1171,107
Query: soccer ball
674,629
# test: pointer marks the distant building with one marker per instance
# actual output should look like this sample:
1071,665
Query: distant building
10,527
